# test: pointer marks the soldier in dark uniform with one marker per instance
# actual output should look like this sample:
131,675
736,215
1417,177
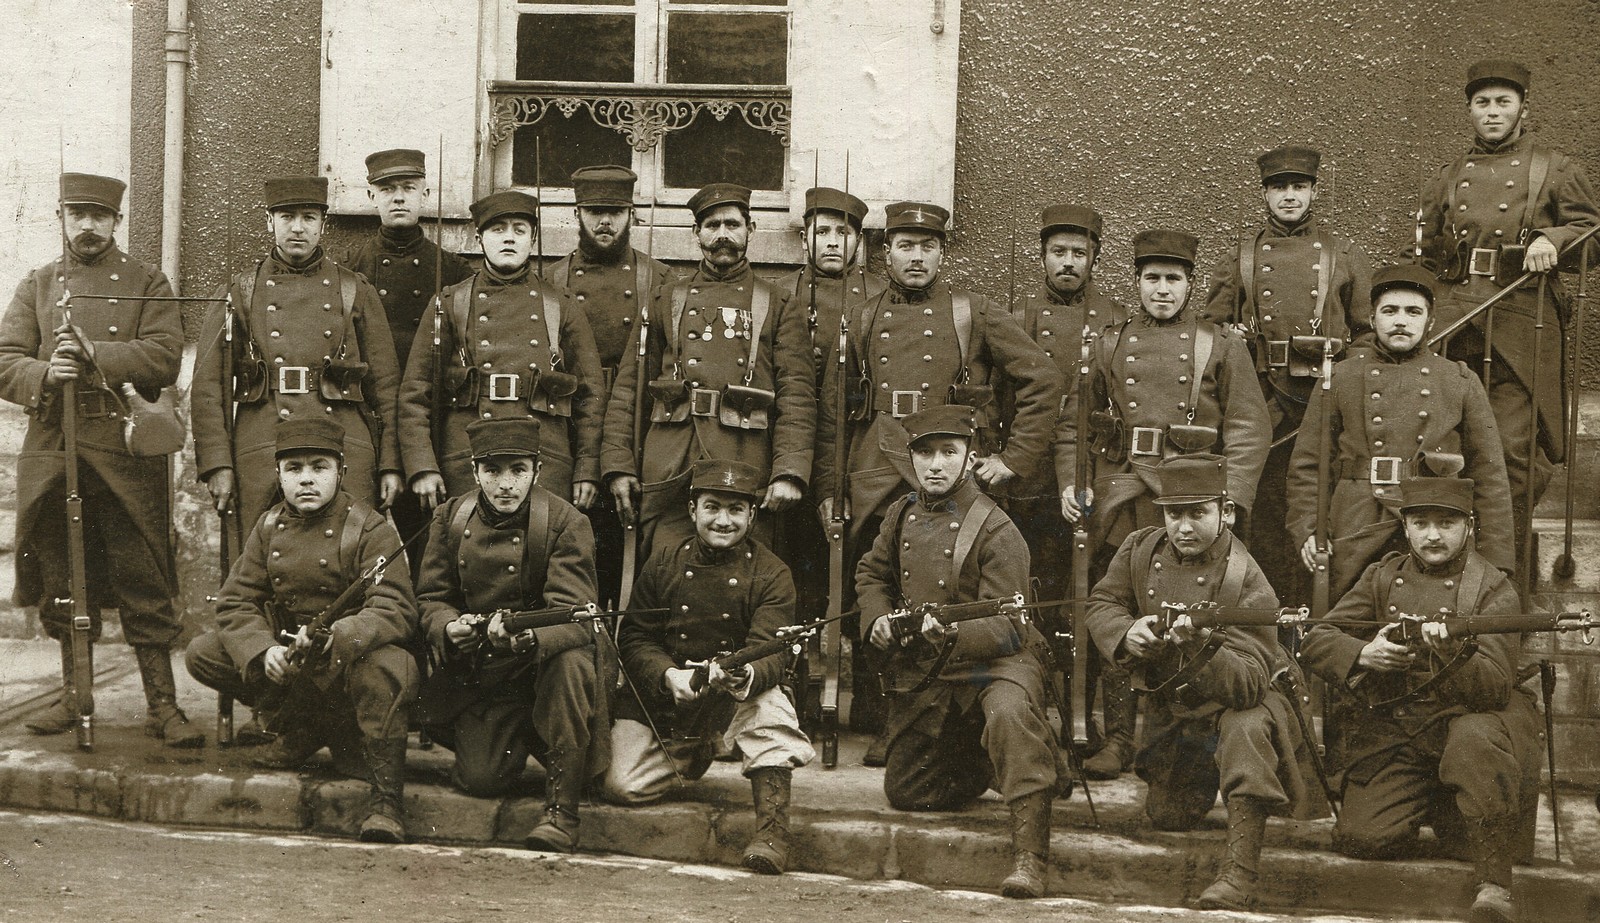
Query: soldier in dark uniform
1398,409
718,591
729,376
1304,283
497,698
1464,757
979,723
1065,311
111,347
511,346
1164,382
1507,205
309,337
609,279
352,692
400,263
1224,726
922,343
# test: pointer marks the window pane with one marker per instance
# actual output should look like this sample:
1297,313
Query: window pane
565,145
729,2
575,46
742,48
599,2
728,151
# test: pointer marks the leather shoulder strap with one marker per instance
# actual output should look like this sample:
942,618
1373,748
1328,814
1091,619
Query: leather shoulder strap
961,314
680,299
1205,340
561,272
535,560
1538,171
1474,582
1143,553
458,523
1230,592
967,535
355,522
1247,279
1326,257
460,312
760,307
552,327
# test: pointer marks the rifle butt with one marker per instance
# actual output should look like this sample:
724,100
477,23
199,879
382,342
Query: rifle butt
1081,652
830,652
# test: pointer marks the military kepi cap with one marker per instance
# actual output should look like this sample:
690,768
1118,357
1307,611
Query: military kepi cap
309,434
1164,244
827,199
1289,160
716,194
396,163
1403,275
88,189
944,420
503,436
1069,217
915,216
1445,493
503,203
1497,70
1192,479
289,191
726,477
607,186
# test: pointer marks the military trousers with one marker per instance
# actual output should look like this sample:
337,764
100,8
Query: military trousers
1187,761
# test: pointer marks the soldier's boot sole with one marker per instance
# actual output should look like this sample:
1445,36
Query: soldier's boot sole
381,827
558,832
174,729
1224,894
762,859
1492,905
1027,877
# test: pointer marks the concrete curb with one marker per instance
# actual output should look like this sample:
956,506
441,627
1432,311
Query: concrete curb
943,851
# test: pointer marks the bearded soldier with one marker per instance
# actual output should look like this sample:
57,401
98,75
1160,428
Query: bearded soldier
309,337
1508,205
110,346
1284,288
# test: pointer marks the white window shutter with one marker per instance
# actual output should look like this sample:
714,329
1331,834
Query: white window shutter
399,75
876,80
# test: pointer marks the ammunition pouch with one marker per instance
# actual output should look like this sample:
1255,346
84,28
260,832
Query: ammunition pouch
668,400
341,380
1186,438
1302,355
250,381
461,387
858,399
1108,436
744,407
558,389
978,397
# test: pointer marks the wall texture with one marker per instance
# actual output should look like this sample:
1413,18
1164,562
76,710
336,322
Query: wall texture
1154,112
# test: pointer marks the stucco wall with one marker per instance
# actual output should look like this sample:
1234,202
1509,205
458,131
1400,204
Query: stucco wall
1154,112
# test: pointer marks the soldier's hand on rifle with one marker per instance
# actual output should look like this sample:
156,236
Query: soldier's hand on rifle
65,365
1436,635
882,635
991,471
1542,255
584,493
1141,641
782,493
1383,655
1308,552
276,662
220,484
429,489
499,638
678,683
70,337
1070,507
934,631
390,486
624,491
731,683
463,635
1184,633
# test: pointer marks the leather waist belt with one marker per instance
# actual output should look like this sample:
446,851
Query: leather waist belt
903,404
1146,441
1381,470
505,386
1484,261
97,403
294,379
704,402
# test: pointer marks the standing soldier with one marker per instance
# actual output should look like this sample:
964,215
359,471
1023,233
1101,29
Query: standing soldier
1283,289
1215,719
718,592
351,691
502,344
400,263
918,344
1397,409
309,337
512,545
609,279
1506,206
977,719
1164,382
110,346
729,376
1464,757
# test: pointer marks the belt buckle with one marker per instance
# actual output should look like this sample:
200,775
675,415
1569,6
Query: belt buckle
898,401
1278,354
704,402
505,386
1147,441
294,379
95,403
1384,470
1485,261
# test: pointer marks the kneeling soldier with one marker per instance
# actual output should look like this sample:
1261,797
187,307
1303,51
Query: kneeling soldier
355,691
1216,723
1464,756
977,719
512,545
718,592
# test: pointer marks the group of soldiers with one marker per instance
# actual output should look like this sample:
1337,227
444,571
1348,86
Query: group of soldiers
621,501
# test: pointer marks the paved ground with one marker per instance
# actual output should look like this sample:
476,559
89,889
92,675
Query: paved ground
843,826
